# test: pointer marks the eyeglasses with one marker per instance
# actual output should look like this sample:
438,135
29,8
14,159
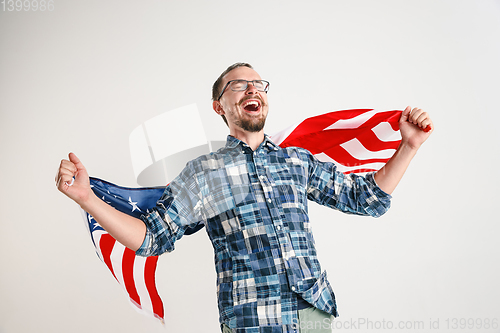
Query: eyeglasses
241,85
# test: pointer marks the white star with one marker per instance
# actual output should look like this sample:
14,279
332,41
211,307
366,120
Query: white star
104,199
93,225
133,204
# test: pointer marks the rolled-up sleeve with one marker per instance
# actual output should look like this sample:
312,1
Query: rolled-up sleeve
178,209
349,193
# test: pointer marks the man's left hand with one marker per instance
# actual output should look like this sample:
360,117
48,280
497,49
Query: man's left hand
415,126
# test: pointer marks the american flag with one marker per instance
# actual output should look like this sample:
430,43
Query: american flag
135,274
358,140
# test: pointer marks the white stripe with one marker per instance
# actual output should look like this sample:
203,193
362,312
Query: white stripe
140,285
353,122
342,168
116,262
97,238
358,151
279,137
385,133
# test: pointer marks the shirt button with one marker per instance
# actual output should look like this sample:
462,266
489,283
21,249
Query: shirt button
269,200
293,288
278,227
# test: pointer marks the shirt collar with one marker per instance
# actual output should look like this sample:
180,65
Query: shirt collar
232,143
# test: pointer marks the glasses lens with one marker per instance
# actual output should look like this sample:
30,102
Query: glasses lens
259,84
238,85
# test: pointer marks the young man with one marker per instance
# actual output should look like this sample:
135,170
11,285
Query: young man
252,197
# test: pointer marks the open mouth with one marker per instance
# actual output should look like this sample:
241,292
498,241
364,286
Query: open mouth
251,105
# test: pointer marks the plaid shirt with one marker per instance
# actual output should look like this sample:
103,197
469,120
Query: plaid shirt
254,207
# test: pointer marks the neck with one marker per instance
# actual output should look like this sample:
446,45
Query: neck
253,139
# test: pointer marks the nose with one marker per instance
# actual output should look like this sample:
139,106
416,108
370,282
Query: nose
251,90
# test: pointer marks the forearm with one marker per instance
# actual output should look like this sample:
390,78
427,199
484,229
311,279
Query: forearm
391,173
126,229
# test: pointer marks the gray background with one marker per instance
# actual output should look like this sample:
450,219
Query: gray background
81,77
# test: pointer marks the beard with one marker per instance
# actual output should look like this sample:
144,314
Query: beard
251,125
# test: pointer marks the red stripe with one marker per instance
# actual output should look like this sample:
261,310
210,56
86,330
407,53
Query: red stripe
149,278
310,133
128,276
319,123
304,133
106,245
321,141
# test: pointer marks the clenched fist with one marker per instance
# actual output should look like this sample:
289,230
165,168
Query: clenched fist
72,179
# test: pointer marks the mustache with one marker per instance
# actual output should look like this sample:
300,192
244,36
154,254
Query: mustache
244,99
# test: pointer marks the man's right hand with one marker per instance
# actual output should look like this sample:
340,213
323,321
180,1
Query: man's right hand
72,179
126,229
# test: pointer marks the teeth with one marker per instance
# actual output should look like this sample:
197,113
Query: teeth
252,103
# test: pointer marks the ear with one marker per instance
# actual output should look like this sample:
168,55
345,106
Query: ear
217,106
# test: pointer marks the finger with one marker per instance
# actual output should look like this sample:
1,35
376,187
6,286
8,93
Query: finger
423,116
415,113
76,161
66,174
63,181
406,113
66,167
422,120
427,125
70,166
81,175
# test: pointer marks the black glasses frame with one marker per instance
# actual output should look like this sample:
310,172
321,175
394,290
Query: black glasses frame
266,89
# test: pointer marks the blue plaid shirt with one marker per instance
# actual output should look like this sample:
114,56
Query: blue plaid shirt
254,207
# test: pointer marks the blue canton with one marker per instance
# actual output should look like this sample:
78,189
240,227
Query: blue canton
254,207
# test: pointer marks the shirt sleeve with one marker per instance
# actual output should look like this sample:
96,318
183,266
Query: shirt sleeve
351,193
178,209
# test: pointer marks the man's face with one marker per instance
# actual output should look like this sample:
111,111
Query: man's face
244,110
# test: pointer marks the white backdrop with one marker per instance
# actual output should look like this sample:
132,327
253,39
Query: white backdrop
83,76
